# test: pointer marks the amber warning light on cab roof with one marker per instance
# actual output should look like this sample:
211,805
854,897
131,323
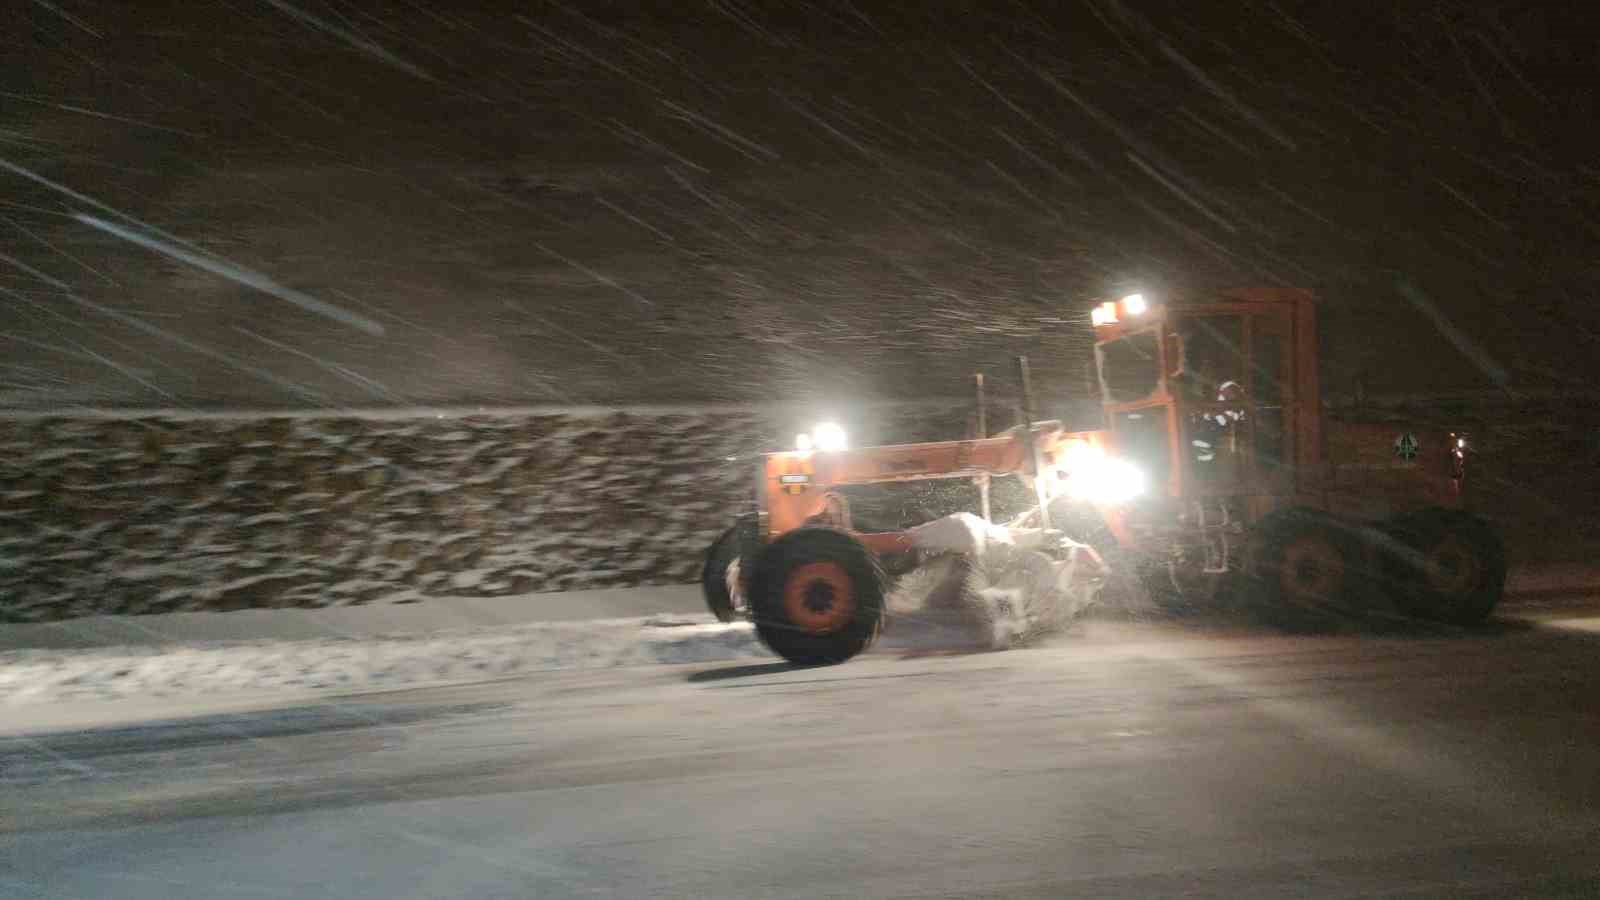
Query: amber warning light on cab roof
1113,311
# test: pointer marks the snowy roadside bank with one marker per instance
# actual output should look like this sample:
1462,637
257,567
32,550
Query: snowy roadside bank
389,647
431,615
201,668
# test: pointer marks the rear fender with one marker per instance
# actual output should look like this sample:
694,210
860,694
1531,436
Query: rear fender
751,530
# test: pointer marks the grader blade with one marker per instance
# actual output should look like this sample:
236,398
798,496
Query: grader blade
990,587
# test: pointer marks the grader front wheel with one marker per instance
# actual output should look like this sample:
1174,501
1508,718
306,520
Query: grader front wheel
816,596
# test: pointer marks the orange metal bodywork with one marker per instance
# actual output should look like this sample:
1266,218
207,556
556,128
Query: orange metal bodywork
1339,467
796,485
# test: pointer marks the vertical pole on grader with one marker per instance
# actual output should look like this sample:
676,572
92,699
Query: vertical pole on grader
1029,446
983,432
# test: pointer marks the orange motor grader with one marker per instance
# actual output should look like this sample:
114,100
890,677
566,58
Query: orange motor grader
1217,470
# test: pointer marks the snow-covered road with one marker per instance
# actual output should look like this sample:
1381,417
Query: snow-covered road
1130,760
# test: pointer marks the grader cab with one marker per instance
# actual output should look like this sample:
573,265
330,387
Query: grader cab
1254,487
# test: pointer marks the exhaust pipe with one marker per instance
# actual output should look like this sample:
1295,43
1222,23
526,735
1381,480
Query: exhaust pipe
1041,495
983,432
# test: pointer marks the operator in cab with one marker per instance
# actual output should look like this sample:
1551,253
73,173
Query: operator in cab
1209,383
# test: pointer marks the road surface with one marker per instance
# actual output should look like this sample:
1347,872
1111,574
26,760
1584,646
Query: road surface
1129,760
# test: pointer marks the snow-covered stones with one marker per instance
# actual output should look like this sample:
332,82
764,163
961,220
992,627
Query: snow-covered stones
131,514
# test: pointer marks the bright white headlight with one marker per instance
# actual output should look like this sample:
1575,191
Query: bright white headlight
1107,482
829,438
1080,456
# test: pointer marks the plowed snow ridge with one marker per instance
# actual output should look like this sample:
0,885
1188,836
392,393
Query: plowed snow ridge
388,661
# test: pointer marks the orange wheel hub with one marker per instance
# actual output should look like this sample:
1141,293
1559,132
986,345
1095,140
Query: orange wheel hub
819,597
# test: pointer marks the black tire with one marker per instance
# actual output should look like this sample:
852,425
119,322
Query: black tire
1455,570
1306,570
817,596
714,575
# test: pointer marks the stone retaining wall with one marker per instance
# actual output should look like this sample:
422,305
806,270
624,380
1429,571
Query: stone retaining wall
167,513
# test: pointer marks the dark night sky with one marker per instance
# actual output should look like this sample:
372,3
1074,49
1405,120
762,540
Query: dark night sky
726,200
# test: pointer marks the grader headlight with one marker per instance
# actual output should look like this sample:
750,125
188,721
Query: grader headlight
1094,477
1111,482
1080,455
827,437
830,438
1112,312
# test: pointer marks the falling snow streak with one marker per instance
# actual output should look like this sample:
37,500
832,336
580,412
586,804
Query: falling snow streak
635,219
750,149
126,372
55,249
84,111
42,276
297,390
360,43
1180,193
82,198
1036,159
817,120
641,140
1007,101
1469,348
69,17
1226,96
597,276
364,382
586,53
155,331
1469,204
239,274
727,210
48,310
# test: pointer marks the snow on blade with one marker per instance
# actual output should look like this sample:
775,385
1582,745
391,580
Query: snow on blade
962,533
989,584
